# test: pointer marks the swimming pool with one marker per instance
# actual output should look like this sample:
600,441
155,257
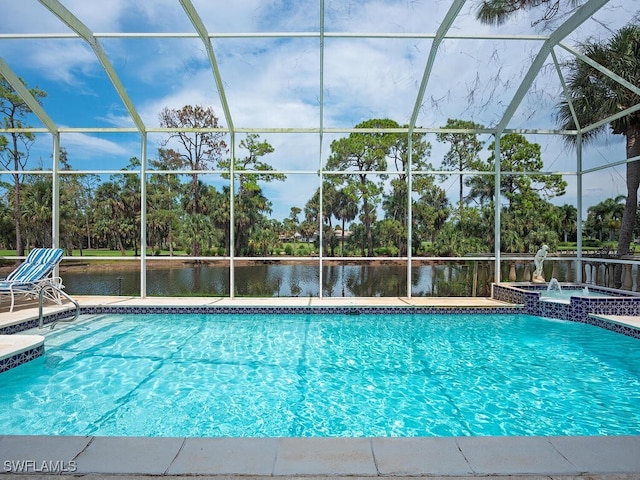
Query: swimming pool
304,375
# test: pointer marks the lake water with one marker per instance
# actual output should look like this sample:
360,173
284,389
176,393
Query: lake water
301,280
274,280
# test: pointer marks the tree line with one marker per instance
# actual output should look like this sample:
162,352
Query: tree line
362,212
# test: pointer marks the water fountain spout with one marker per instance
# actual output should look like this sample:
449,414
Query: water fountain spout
554,285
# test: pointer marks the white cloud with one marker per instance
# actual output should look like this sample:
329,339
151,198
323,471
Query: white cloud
90,151
275,82
69,62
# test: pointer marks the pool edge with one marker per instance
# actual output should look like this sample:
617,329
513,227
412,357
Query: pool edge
477,457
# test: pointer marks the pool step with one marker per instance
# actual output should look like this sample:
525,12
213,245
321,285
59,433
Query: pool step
18,349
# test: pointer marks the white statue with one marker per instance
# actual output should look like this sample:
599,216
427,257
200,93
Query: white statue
538,275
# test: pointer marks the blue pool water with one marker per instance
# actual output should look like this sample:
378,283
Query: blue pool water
320,375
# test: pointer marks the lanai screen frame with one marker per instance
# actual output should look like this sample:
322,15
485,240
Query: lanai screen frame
547,49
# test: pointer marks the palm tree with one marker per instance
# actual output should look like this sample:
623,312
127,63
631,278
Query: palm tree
595,96
568,220
497,12
346,210
605,216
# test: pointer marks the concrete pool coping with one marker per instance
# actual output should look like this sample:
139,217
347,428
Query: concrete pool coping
596,457
29,311
12,344
601,457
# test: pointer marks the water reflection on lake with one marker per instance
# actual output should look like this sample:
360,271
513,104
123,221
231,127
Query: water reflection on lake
273,280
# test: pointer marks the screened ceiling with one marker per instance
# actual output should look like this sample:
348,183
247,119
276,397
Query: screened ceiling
294,65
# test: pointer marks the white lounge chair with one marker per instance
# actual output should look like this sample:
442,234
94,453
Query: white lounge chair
33,275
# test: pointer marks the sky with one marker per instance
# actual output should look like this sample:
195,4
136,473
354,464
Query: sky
274,81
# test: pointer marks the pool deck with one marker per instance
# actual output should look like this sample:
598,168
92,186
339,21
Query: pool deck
98,458
457,457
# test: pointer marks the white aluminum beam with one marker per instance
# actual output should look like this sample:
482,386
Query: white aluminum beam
440,35
565,90
604,121
198,24
25,94
578,18
320,159
277,35
68,18
448,20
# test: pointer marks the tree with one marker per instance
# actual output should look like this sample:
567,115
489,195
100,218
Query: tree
527,216
200,148
497,12
117,209
14,150
196,229
519,160
594,96
605,217
430,211
345,210
6,223
366,153
395,204
527,224
330,199
568,221
449,241
35,210
291,223
391,235
313,217
75,203
308,229
129,184
162,201
262,239
108,211
250,202
220,214
463,154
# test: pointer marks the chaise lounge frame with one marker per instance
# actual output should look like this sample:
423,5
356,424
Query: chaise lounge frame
35,274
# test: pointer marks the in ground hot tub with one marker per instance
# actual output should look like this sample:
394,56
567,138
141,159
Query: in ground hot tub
572,301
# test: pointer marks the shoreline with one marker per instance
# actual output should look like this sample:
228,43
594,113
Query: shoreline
133,263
